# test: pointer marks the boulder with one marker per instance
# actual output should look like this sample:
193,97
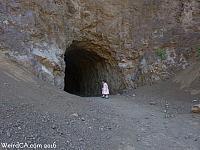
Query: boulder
196,108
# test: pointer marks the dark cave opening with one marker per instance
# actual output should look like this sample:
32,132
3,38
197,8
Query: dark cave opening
85,70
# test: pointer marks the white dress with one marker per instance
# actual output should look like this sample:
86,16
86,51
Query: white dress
105,90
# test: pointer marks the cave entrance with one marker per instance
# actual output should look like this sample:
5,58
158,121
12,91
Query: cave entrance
85,70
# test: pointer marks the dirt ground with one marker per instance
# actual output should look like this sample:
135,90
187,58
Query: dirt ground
154,117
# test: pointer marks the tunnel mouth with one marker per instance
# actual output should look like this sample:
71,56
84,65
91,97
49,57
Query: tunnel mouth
85,70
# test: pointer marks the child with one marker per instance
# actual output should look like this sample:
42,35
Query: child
105,90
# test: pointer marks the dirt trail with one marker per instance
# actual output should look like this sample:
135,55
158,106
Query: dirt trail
32,111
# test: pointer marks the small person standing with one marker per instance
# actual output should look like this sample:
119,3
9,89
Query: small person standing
105,89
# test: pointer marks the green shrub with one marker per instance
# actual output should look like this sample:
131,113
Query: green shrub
161,53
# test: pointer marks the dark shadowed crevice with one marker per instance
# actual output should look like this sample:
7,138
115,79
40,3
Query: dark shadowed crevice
85,70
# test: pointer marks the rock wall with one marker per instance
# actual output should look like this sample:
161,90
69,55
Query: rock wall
144,40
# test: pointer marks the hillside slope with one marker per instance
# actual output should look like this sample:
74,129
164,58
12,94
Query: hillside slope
32,111
189,79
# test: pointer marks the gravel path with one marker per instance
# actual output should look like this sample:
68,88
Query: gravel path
150,118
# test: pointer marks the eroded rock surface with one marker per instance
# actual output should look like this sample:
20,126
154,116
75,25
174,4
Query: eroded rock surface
140,41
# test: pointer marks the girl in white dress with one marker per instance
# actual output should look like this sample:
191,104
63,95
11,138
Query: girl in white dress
105,89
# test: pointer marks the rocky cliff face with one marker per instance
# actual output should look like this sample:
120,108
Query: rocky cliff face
128,43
